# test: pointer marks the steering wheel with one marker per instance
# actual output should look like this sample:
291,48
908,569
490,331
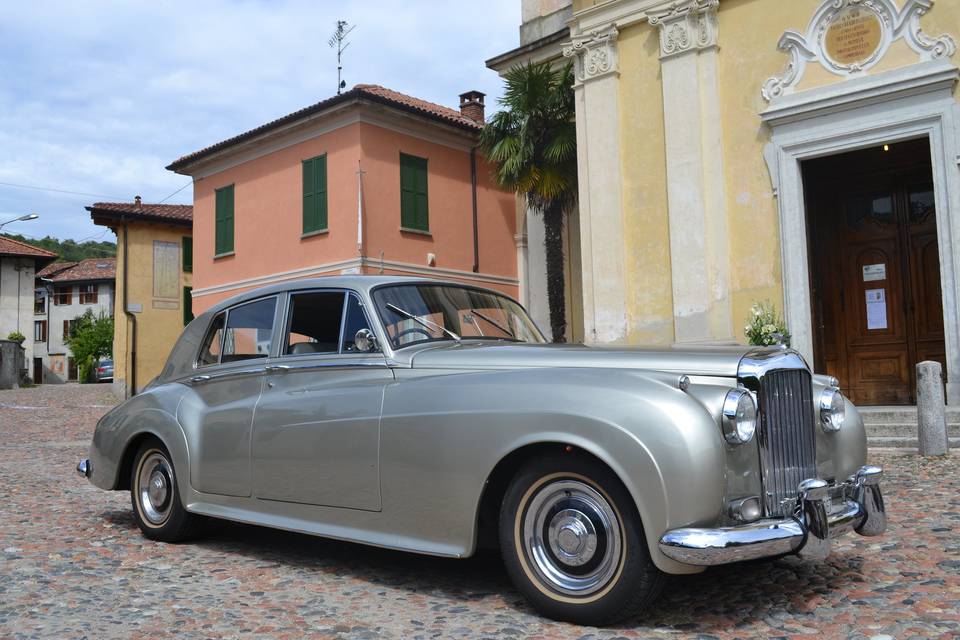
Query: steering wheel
412,330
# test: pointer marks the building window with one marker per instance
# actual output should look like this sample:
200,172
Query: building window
224,221
40,331
315,194
62,295
413,193
187,305
187,254
89,293
39,302
68,328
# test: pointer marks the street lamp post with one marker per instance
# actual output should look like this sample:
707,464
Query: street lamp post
29,216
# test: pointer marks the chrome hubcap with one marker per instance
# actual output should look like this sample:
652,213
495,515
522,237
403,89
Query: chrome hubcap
572,538
154,487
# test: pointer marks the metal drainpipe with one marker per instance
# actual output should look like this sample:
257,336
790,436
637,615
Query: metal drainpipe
476,231
131,389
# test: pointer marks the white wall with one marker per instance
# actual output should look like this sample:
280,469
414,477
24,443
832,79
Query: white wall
58,313
16,301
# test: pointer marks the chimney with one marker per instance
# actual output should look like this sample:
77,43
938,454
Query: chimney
471,105
136,202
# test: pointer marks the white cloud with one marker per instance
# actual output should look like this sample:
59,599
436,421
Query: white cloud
99,96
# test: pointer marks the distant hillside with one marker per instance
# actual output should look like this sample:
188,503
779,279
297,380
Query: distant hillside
69,250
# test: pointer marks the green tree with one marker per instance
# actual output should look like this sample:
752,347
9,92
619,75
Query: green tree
91,338
70,250
533,145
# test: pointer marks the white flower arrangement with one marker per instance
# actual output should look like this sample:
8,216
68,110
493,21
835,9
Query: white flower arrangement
766,328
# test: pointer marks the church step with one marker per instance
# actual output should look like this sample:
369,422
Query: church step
900,415
903,429
903,442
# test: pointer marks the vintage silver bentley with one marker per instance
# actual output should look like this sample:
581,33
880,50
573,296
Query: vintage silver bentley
432,417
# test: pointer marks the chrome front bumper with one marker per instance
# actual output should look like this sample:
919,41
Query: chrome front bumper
818,518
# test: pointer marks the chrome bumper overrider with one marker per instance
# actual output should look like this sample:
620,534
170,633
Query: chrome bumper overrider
83,468
808,533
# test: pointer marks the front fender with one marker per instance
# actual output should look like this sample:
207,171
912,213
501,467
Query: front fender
662,443
150,413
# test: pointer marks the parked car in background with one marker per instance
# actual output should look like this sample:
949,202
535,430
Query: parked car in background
103,372
432,417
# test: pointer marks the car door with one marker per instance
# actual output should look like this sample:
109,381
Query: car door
223,394
316,434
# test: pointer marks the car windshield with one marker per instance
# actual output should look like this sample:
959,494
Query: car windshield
414,314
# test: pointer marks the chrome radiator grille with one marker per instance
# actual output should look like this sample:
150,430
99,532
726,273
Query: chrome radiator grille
786,435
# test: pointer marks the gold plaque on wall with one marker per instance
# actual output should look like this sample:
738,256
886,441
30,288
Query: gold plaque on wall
854,36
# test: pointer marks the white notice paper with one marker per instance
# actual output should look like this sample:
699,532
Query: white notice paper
876,309
873,272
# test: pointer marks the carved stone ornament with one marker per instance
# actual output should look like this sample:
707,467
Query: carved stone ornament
686,25
594,53
848,37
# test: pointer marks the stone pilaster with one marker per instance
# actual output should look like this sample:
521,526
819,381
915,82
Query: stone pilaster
597,90
699,236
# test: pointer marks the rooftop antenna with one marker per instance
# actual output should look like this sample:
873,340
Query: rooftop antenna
338,40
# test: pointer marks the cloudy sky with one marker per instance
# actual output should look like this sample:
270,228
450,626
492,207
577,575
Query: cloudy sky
97,97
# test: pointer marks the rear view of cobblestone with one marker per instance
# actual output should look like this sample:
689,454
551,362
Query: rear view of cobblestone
73,565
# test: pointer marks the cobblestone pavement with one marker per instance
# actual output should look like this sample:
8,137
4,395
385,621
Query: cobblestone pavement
73,564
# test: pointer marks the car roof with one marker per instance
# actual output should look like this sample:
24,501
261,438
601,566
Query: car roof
360,283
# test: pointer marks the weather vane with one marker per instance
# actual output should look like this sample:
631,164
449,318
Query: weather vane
338,40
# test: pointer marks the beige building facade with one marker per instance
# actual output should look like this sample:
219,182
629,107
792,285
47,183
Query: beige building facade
735,151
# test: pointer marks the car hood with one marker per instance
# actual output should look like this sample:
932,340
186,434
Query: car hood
712,361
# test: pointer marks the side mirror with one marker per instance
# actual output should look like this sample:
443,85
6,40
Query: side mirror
365,341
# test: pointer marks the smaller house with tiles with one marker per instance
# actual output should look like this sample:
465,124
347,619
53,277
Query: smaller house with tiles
19,263
64,291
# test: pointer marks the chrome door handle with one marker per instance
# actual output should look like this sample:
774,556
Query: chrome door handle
196,379
276,368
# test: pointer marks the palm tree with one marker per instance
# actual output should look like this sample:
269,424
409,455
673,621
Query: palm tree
533,144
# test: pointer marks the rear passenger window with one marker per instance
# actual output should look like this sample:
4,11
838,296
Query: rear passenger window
210,353
314,322
249,331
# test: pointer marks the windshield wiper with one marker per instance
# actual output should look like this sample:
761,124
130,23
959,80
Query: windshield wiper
422,321
494,323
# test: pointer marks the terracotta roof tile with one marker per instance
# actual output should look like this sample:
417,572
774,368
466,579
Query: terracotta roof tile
373,92
89,269
54,268
11,247
177,213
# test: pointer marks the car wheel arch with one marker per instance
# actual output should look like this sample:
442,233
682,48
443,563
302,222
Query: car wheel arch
497,481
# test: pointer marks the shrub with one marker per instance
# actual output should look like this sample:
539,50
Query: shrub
16,336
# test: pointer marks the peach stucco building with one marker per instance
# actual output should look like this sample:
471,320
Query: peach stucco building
370,181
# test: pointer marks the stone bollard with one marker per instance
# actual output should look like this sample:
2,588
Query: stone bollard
931,411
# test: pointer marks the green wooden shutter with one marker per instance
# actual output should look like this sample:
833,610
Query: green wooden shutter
320,182
309,199
187,251
413,193
224,220
315,194
187,305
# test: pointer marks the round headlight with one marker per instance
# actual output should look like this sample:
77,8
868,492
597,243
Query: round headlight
833,409
739,417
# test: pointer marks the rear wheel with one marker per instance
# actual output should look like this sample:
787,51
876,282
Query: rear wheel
156,498
573,543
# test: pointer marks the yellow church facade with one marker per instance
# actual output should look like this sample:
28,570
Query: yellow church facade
803,152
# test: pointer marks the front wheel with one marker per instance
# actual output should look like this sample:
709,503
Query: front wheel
156,499
573,543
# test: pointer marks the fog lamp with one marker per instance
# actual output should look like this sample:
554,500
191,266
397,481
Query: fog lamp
745,509
833,409
739,416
